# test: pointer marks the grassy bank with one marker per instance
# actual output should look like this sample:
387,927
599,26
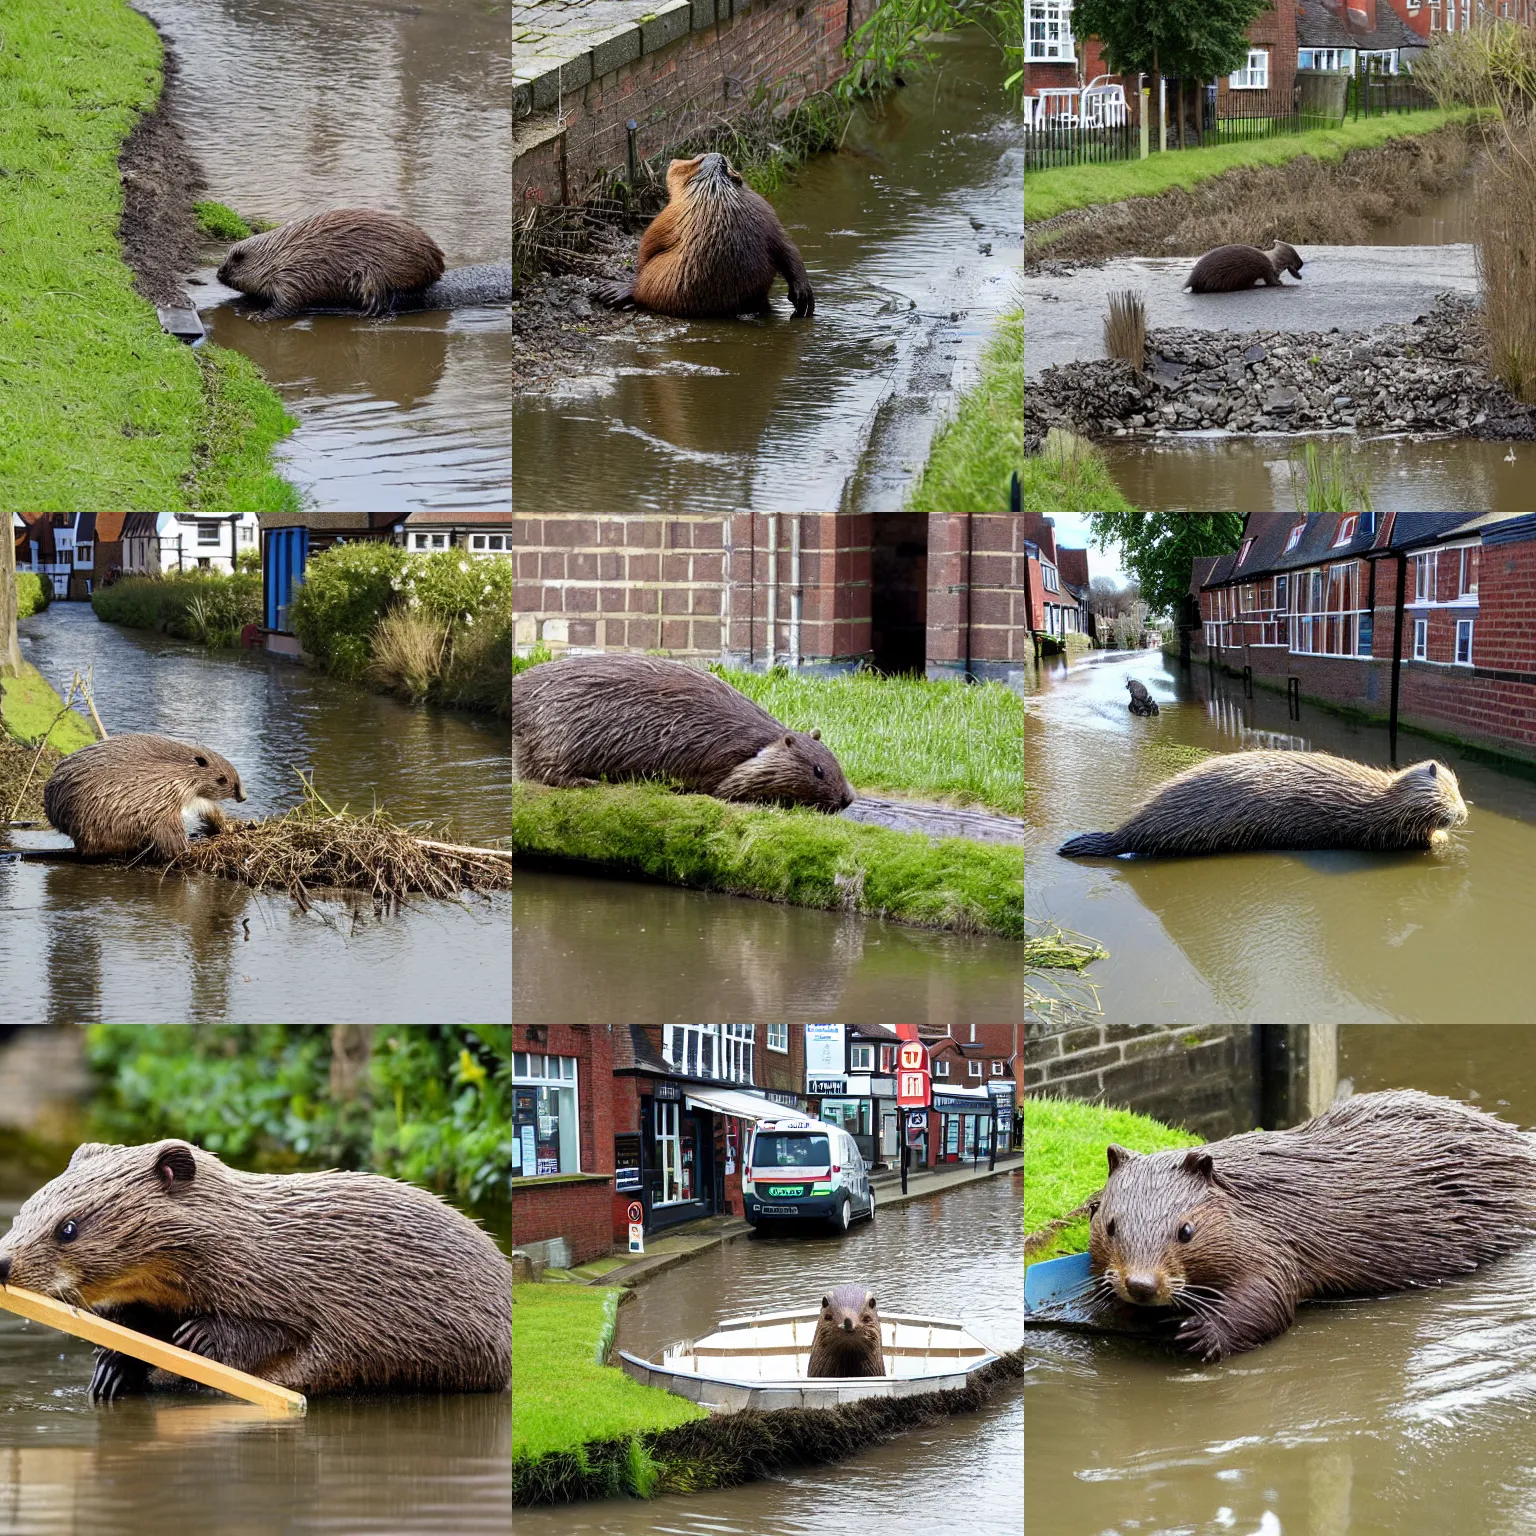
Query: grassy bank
1064,1143
1049,192
1070,475
205,606
104,408
796,856
30,709
974,456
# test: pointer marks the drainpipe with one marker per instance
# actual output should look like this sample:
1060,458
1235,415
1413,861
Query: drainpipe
796,593
970,525
773,589
1397,653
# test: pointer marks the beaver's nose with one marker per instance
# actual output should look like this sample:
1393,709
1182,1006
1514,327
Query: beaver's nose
5,1268
847,1325
1141,1287
239,791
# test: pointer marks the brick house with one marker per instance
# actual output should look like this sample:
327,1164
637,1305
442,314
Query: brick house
975,1091
1426,17
1057,597
1445,599
562,1140
1343,34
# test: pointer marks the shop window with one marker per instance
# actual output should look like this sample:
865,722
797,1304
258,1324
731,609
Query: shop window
545,1138
676,1153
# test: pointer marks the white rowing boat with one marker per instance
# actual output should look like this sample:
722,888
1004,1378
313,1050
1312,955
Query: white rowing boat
761,1361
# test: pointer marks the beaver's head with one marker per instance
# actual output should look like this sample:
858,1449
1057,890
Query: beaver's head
849,1310
119,1225
1163,1223
1426,798
710,175
1284,258
249,264
793,769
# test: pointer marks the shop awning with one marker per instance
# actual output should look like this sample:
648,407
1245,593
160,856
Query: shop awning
744,1106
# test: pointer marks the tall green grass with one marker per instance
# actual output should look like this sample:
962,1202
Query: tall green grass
205,606
1070,475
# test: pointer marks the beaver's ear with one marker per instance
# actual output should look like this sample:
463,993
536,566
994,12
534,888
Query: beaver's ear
869,1298
826,1301
89,1149
1118,1155
816,735
1201,1163
175,1164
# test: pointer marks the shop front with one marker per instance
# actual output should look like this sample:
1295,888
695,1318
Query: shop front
961,1125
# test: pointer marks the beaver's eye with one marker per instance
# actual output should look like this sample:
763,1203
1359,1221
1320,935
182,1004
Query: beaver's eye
1109,1227
1093,1208
201,761
223,778
1186,1232
66,1231
816,769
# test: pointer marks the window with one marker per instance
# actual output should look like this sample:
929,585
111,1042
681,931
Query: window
1421,639
247,533
1329,612
1466,583
997,1069
1050,31
1367,633
207,533
1245,597
1242,554
674,1152
1329,58
1256,76
861,1058
1346,531
83,555
545,1139
1368,523
481,542
1425,573
941,1069
709,1050
1048,575
1282,593
973,1069
1464,642
1295,537
887,1060
778,1037
431,540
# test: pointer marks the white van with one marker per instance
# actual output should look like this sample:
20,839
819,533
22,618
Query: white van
805,1170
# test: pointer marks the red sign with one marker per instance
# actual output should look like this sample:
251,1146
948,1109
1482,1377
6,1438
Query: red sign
636,1211
912,1056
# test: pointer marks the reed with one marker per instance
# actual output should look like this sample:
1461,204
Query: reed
1125,327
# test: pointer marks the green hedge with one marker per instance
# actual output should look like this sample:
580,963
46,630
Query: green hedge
33,594
205,606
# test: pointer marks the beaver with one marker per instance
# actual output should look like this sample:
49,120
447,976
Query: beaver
1385,1191
1231,267
712,251
1142,702
136,791
1244,801
321,1282
352,256
847,1341
619,716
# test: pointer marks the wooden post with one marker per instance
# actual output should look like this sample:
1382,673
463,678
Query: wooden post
10,651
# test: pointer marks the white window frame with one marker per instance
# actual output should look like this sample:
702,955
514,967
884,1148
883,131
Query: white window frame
1346,531
1463,626
722,1052
1426,577
208,533
997,1069
1421,639
541,1076
1048,34
1470,557
1254,76
778,1038
1295,538
1242,554
1312,606
973,1069
1049,577
861,1056
85,556
667,1136
941,1068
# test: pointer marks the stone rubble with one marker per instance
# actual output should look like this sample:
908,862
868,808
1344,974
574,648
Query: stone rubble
1425,377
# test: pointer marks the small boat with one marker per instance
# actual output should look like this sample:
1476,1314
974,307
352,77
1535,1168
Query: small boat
761,1361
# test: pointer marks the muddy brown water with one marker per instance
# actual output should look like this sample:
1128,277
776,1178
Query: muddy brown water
899,1487
588,950
835,411
1268,937
87,944
293,106
1406,1415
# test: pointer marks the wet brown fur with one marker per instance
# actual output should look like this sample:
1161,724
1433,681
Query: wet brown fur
847,1341
1142,702
713,250
584,718
130,792
1243,801
1232,267
1382,1192
349,256
322,1282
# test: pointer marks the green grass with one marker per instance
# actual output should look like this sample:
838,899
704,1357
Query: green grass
952,741
1070,475
101,407
220,221
1064,1143
1049,192
974,456
797,856
28,707
562,1398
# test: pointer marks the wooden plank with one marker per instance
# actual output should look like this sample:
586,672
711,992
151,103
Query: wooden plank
169,1357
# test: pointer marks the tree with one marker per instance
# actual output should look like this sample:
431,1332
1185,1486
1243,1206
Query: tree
10,651
1158,548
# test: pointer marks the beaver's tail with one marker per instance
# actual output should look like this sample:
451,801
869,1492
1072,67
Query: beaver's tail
1093,845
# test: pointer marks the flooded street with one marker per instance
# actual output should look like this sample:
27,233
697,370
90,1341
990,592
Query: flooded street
1268,937
911,235
896,1487
86,943
589,950
1406,1414
203,1464
292,108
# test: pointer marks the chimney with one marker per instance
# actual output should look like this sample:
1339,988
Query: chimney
1361,15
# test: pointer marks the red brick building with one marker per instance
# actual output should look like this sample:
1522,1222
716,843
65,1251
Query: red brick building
1428,17
1056,588
974,1076
1334,600
562,1140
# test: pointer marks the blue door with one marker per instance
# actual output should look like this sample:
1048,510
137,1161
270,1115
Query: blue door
283,567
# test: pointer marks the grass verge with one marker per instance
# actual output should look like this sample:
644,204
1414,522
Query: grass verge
795,856
959,742
1070,475
974,456
103,407
1049,192
1064,1142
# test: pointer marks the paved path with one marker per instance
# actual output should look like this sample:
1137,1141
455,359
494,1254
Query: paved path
543,27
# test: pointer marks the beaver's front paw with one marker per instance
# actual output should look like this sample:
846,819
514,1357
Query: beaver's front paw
117,1375
1205,1337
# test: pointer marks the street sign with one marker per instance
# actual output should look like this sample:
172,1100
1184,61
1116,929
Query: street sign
917,1126
825,1085
636,1237
636,1212
913,1056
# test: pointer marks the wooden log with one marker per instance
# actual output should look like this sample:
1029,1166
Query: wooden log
168,1357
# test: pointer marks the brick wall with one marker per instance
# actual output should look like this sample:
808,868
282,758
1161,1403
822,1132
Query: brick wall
579,1212
788,49
997,587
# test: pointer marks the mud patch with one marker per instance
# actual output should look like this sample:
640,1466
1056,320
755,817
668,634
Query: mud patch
158,230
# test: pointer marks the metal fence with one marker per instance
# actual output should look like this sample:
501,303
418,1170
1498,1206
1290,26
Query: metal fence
1066,143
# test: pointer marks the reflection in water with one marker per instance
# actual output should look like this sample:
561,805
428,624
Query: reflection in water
590,950
84,943
775,412
292,106
896,1487
1269,937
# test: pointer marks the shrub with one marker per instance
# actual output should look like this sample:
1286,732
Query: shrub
1125,328
345,592
205,606
407,652
33,593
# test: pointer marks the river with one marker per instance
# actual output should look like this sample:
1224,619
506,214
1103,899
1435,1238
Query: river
97,943
294,106
836,411
956,1254
1407,1415
1268,937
